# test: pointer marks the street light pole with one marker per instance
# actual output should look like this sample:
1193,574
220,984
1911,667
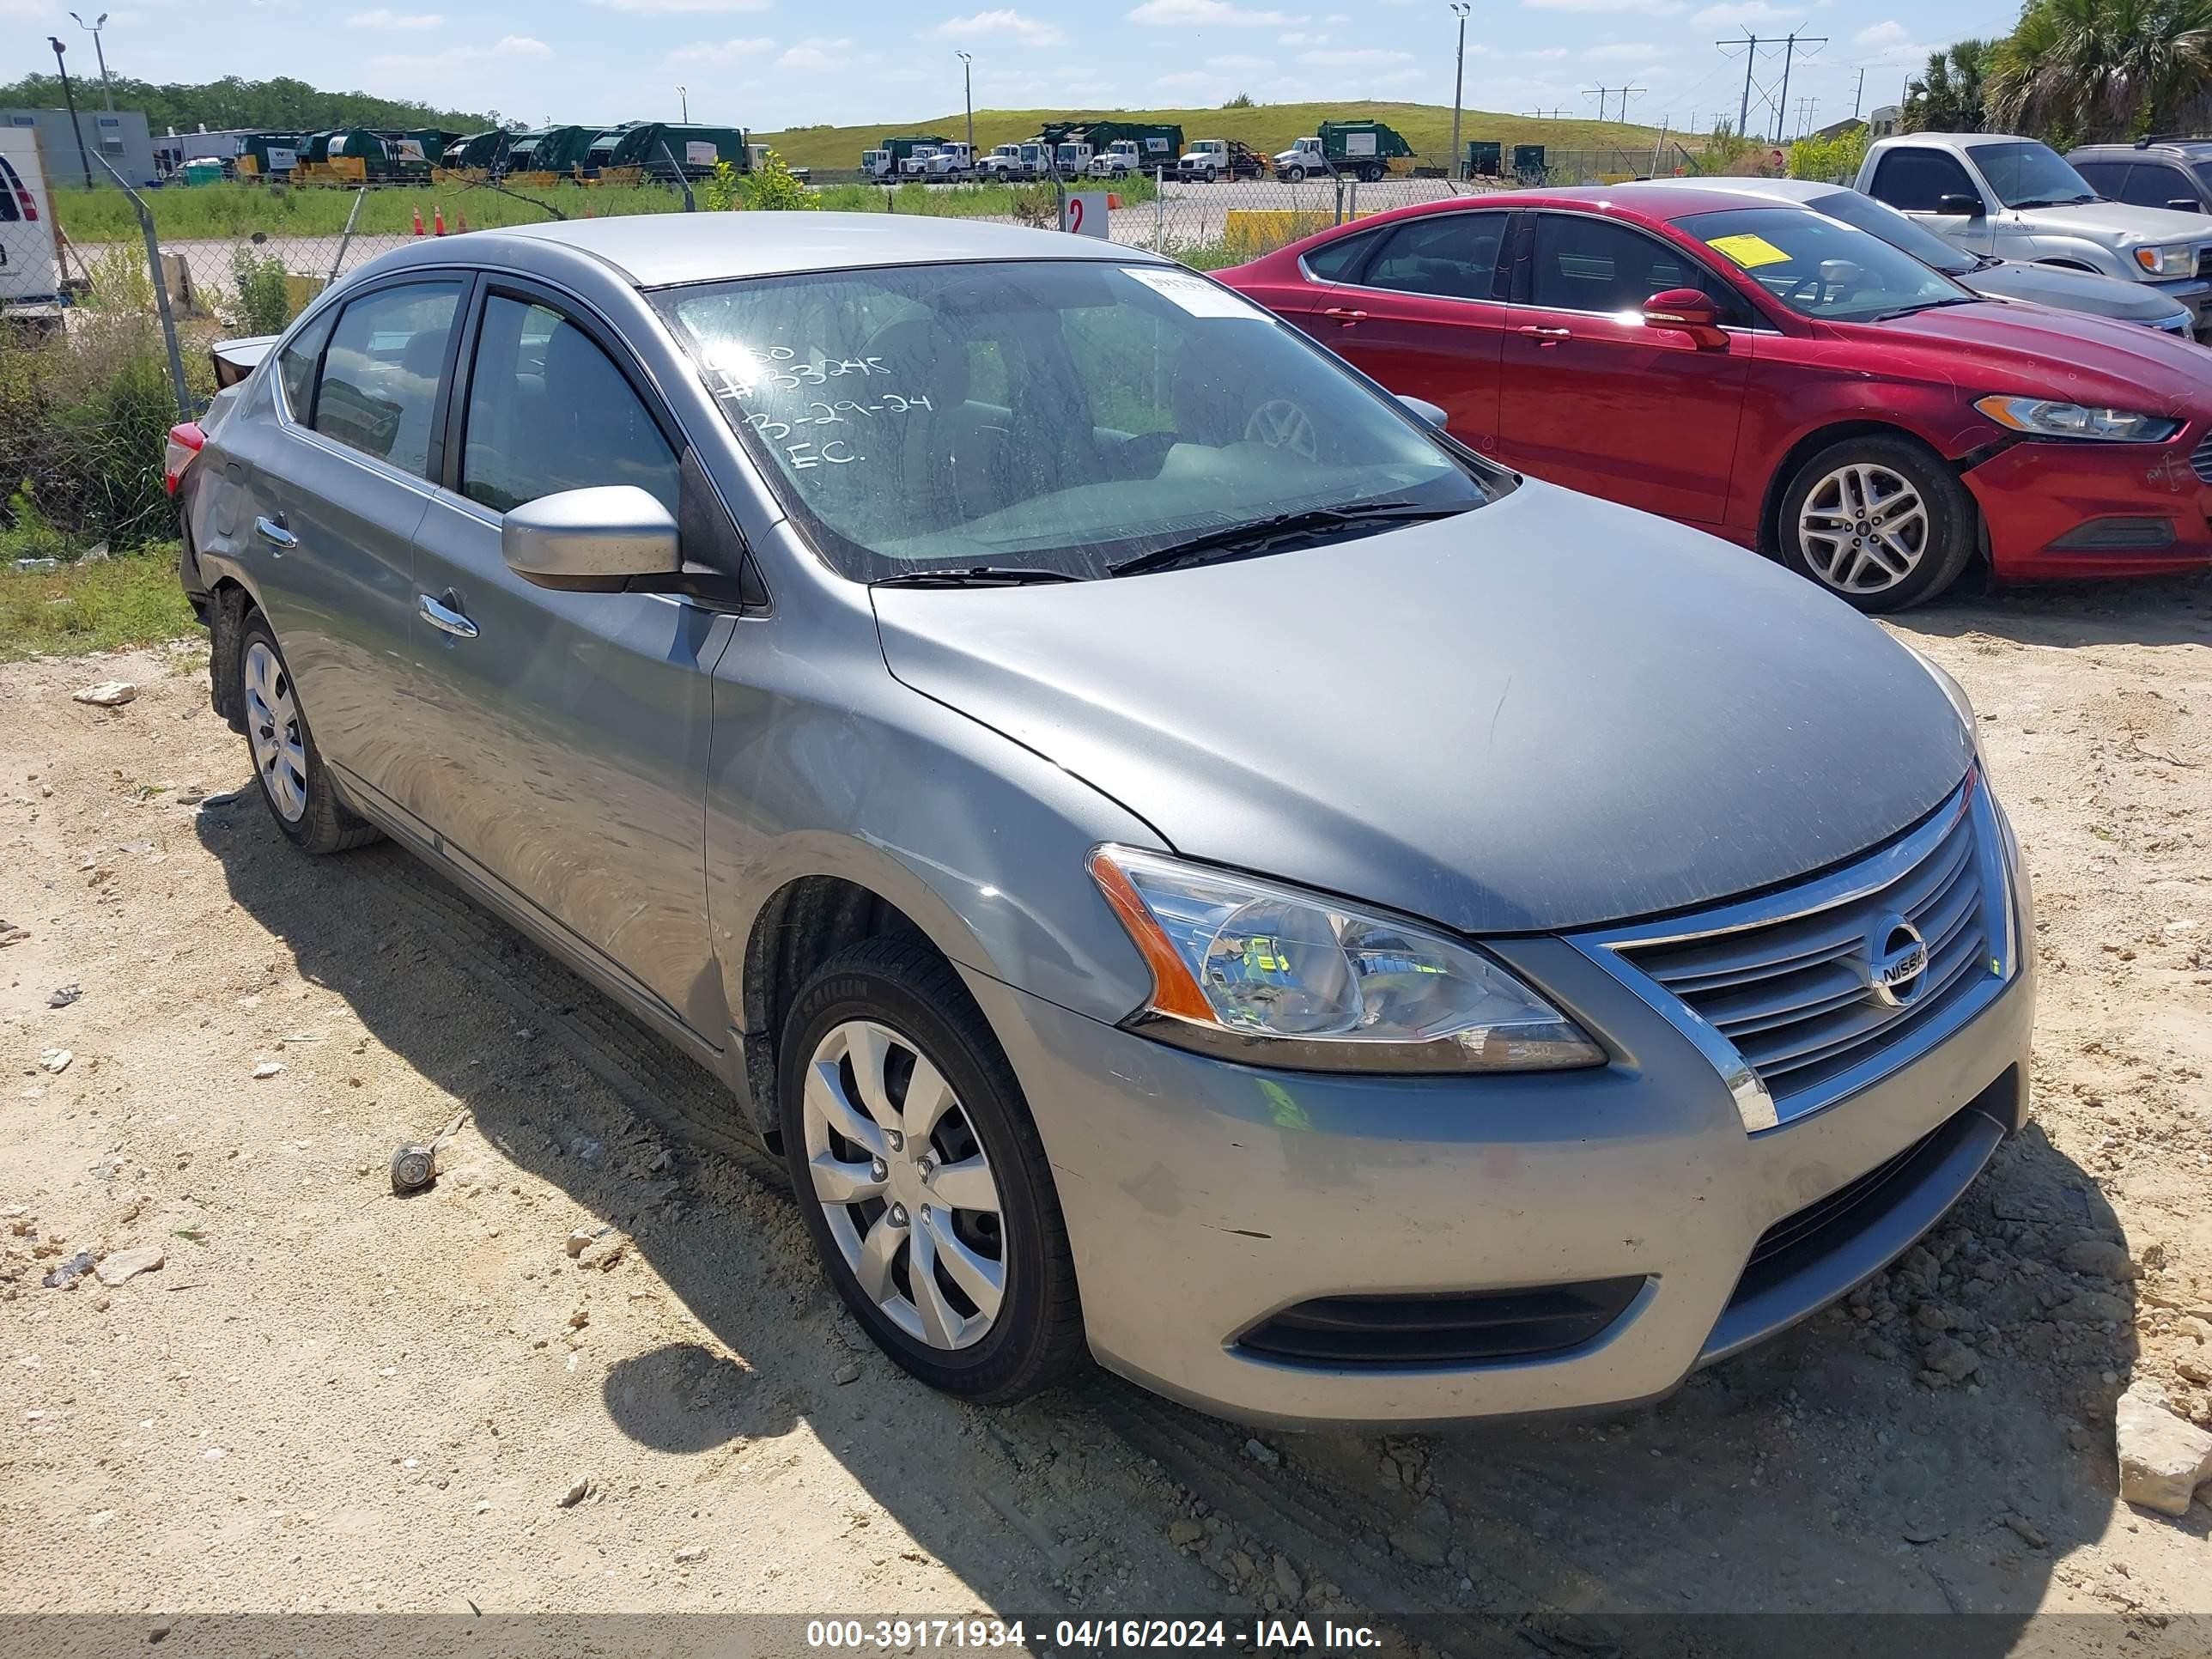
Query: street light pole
105,87
968,91
69,98
1459,71
683,97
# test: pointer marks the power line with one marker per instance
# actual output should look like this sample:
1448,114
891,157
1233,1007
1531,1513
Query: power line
1773,95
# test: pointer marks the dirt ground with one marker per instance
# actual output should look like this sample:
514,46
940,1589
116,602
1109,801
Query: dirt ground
330,1398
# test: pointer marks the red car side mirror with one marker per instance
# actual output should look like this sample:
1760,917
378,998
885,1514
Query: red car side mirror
1687,311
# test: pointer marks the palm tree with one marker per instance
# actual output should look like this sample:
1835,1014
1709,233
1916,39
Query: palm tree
2082,70
1948,97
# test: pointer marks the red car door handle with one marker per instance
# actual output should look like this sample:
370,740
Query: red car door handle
1546,336
1346,314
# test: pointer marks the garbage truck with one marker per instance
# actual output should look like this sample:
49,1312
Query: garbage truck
1363,148
882,163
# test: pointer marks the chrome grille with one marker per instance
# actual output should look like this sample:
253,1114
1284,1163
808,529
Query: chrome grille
1786,982
2200,458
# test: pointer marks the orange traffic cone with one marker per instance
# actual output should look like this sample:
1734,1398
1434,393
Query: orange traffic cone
438,219
419,221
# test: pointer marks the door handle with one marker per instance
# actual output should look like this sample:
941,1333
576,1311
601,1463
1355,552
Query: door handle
1345,315
276,535
447,620
1545,336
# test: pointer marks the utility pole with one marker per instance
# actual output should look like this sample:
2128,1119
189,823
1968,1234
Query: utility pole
967,88
1601,92
1459,71
1778,101
1859,95
69,97
1807,103
1782,104
1743,106
106,87
684,99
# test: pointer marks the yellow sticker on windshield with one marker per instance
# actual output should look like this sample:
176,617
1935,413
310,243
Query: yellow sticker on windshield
1749,252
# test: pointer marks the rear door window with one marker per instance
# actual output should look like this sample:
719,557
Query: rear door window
380,376
1337,261
1916,181
10,214
296,365
1452,255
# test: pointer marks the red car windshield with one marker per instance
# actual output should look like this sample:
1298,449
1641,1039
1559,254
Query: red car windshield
1820,267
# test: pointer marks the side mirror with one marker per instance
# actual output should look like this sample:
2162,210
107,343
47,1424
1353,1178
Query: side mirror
596,540
2185,204
1959,206
1428,411
1687,311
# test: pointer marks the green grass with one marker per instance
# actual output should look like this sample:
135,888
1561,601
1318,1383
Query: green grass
1266,127
108,604
220,212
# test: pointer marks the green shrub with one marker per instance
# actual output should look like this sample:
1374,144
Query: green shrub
263,304
768,188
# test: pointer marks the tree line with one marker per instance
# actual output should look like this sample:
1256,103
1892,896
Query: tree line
2075,72
283,104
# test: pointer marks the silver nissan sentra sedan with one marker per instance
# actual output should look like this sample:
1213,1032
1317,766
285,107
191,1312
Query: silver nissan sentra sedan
1184,863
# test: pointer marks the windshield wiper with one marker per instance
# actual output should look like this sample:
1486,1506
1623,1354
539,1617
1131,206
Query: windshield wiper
2049,201
1926,305
975,575
1261,532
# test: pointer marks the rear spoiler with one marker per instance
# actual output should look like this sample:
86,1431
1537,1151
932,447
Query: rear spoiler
236,359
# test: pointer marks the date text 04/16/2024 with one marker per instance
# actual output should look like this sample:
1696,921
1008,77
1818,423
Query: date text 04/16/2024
1084,1635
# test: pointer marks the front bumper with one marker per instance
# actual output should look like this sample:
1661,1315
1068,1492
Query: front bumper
2193,292
2061,511
1204,1198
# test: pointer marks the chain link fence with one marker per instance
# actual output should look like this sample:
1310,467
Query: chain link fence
92,376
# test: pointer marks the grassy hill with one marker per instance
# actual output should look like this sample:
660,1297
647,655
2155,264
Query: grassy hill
1267,128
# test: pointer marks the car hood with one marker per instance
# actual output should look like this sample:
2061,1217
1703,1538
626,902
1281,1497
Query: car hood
2082,291
2058,354
1547,712
2118,224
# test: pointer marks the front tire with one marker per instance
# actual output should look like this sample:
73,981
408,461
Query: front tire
919,1174
295,784
1295,175
1880,522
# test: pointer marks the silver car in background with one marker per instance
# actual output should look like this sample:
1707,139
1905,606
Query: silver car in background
1184,863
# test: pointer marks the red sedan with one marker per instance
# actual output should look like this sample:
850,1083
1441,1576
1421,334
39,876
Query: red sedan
1777,377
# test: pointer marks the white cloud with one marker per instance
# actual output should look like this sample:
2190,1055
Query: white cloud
821,55
1193,14
382,18
713,55
1355,58
1300,37
1030,31
1547,54
1742,11
902,76
457,65
1187,81
1887,33
1626,52
1237,63
1654,7
683,5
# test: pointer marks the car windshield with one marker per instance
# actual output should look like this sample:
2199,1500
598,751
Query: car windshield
1056,415
1822,267
2027,174
1895,229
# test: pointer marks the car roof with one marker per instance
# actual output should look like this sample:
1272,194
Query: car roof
2170,146
1796,191
1649,198
654,250
1957,140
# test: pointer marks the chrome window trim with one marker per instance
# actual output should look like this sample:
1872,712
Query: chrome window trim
1382,234
1755,1105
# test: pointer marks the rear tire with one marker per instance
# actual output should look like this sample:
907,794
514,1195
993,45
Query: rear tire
941,1199
1882,522
294,784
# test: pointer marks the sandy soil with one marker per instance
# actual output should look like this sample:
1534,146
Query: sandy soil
328,1397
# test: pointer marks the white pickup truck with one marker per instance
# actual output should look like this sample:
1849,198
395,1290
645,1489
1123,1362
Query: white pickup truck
1993,194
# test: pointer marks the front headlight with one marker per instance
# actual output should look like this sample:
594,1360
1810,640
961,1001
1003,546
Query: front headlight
2043,417
1281,977
2168,261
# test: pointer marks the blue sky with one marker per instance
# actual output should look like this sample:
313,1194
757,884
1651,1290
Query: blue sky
769,63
